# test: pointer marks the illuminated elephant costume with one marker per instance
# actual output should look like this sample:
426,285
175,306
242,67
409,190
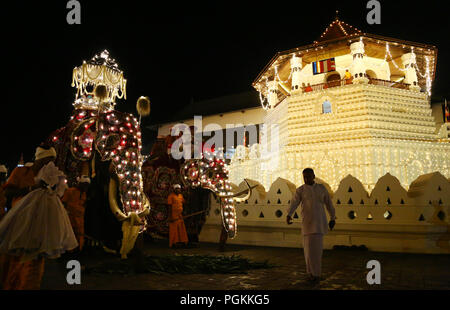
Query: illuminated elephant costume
161,171
98,133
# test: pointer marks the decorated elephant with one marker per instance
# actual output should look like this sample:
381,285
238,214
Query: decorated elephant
160,171
199,177
106,144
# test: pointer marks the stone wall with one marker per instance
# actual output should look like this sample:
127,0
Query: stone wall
388,219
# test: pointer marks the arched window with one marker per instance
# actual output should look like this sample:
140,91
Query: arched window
326,107
371,74
333,77
333,80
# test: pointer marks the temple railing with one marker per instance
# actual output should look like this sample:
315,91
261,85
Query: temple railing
388,83
343,82
330,84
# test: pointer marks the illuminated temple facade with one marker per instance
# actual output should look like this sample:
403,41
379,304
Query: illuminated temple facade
356,108
351,103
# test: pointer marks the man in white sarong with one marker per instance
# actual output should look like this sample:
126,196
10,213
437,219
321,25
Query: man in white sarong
313,197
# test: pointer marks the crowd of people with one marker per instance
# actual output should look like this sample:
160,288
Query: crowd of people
42,218
35,225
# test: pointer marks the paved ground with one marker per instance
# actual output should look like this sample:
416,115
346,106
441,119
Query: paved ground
342,270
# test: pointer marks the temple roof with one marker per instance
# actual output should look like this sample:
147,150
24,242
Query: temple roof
336,40
337,29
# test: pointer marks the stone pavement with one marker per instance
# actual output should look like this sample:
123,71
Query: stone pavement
342,269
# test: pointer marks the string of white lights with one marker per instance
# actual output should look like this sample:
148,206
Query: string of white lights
387,54
388,51
428,81
265,106
278,77
261,99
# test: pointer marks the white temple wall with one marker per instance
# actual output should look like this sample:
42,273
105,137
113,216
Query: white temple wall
378,66
415,226
405,160
372,130
250,116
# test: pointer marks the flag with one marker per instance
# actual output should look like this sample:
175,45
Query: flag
446,112
323,66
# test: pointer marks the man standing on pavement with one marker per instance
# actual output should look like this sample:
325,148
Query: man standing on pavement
313,197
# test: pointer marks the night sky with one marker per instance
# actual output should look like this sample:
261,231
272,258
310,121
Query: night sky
172,51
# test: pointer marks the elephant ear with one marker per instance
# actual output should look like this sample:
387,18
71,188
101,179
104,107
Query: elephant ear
118,140
190,173
164,177
82,139
108,139
212,174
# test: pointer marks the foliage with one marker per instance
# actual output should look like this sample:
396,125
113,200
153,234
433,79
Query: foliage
182,264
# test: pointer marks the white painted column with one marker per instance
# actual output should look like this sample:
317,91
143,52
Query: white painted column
409,60
358,68
296,68
273,97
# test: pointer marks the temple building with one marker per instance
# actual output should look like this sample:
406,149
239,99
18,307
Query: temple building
357,109
349,103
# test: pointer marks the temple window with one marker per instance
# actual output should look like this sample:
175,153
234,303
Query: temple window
326,107
333,80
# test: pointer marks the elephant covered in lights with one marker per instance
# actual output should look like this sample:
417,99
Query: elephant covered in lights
161,171
211,173
106,146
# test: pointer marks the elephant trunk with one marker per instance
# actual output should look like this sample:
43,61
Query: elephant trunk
247,191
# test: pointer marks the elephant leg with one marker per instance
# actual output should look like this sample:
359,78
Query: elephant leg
137,254
223,239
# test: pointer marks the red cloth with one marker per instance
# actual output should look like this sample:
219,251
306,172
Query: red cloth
21,177
74,200
17,275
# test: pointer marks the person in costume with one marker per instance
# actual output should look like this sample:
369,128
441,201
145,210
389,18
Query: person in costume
3,177
177,230
74,200
37,227
21,181
308,88
348,77
312,196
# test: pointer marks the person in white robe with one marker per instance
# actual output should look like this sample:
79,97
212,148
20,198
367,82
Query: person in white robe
38,226
312,197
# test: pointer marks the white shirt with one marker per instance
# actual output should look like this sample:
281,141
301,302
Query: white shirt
52,176
313,198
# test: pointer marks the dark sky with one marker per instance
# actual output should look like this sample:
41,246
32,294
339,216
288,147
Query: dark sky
172,51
